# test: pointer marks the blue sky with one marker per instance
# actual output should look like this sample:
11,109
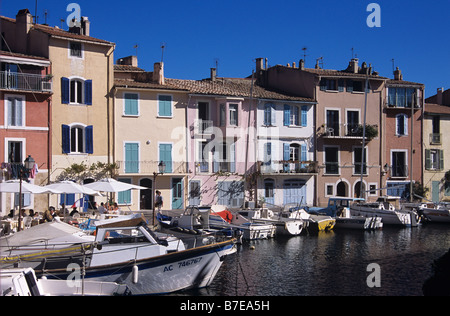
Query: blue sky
198,33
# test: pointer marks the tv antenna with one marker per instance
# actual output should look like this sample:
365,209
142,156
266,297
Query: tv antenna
393,64
136,46
304,49
163,46
216,64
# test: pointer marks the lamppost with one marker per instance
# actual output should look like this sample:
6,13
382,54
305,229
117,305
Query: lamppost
27,166
161,170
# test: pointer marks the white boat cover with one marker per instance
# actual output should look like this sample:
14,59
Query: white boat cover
55,231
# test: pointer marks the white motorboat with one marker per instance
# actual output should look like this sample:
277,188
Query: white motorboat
286,222
339,208
435,213
23,282
217,218
127,252
221,218
313,222
388,209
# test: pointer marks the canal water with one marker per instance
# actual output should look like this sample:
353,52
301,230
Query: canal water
333,263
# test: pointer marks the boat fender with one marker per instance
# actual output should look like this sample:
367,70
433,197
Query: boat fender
135,274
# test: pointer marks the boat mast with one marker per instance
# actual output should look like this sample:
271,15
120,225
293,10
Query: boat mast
363,164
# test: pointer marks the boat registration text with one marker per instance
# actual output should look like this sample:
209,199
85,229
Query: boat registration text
182,264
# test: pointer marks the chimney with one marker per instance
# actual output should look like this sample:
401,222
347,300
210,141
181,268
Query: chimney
353,66
130,61
85,26
158,73
301,64
259,65
398,74
439,96
24,20
213,74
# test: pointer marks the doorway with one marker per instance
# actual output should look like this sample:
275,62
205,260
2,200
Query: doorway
145,196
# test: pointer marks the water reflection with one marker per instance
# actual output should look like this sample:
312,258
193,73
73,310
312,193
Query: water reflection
333,263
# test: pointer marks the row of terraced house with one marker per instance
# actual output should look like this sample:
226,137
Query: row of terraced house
284,134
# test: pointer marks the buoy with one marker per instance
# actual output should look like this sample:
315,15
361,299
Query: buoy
252,247
135,274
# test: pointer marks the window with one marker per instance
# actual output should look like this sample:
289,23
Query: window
328,84
401,125
399,166
131,105
233,114
194,192
124,197
230,193
165,105
331,160
357,161
372,189
15,111
267,154
295,116
400,97
224,158
269,186
76,49
294,152
329,190
76,91
352,123
165,155
202,161
269,114
222,115
131,157
333,122
77,139
434,159
15,154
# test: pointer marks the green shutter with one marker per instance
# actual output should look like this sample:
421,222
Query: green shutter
165,155
441,160
427,159
131,104
131,158
165,105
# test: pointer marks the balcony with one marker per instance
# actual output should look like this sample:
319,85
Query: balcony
288,167
148,167
435,139
349,131
203,127
25,82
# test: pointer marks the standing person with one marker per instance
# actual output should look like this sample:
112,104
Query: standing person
158,200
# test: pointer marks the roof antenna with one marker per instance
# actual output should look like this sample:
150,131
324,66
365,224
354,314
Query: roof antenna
136,48
393,64
353,52
163,45
304,49
45,16
216,62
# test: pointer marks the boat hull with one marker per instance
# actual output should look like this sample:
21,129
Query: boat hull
388,217
436,215
358,222
192,268
289,228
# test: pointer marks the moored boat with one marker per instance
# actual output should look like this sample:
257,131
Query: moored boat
435,213
126,251
286,222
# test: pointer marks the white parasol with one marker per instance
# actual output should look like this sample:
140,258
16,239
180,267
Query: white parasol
112,185
12,186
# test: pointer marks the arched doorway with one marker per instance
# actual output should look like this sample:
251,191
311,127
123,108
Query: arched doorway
357,190
146,198
342,189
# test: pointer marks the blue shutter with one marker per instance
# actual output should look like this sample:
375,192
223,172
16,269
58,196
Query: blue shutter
267,115
304,115
131,104
124,197
216,159
165,155
131,158
65,139
303,155
287,115
286,156
233,157
341,85
349,85
267,153
65,90
89,138
165,105
88,92
273,114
